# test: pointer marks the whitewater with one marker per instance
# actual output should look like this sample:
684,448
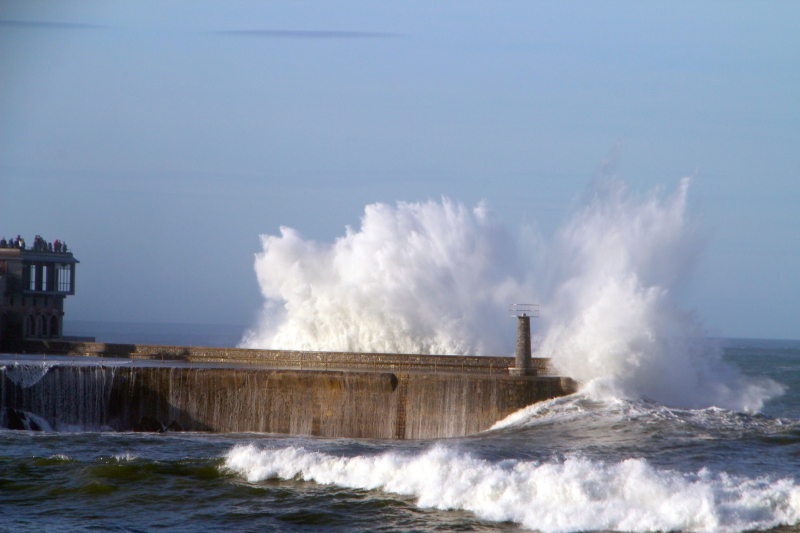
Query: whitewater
557,494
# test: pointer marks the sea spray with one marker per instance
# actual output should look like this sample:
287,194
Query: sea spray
574,494
416,278
615,261
614,319
438,277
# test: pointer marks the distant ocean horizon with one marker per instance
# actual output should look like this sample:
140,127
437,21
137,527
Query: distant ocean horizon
165,334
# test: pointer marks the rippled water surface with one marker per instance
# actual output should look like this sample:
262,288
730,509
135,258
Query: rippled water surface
580,463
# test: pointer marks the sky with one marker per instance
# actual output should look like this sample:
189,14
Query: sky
161,139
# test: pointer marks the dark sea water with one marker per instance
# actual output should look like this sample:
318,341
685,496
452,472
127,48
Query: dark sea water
581,463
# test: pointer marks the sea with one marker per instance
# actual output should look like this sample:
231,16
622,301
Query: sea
587,462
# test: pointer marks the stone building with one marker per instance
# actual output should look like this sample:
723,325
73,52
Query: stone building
33,286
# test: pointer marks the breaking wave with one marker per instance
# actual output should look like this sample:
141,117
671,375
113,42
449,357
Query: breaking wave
575,494
437,277
605,418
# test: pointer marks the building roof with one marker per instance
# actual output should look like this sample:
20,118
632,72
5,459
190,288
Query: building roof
37,255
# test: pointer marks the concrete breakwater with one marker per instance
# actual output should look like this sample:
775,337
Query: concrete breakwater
149,388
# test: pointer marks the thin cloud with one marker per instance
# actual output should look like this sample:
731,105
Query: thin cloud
49,25
280,34
306,34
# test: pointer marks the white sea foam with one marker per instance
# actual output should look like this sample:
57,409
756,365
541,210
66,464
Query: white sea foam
576,494
61,457
437,278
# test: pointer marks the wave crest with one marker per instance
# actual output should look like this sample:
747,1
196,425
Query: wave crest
576,494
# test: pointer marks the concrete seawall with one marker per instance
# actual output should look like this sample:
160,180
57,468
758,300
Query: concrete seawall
385,396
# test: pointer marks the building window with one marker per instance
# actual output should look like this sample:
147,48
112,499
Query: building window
31,327
33,278
54,327
63,277
45,278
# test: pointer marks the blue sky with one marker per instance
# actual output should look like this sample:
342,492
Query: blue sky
160,139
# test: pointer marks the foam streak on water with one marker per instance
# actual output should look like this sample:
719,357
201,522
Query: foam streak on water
572,495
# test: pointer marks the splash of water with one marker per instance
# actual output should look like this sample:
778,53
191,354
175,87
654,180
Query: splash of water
437,278
417,278
616,324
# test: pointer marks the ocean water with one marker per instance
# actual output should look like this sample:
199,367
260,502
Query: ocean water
209,335
588,462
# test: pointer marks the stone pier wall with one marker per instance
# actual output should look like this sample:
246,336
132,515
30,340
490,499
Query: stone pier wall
382,405
289,358
330,394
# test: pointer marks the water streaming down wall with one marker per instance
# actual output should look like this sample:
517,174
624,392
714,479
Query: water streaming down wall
64,397
308,402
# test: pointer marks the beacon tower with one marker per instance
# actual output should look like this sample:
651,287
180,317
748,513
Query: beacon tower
523,313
